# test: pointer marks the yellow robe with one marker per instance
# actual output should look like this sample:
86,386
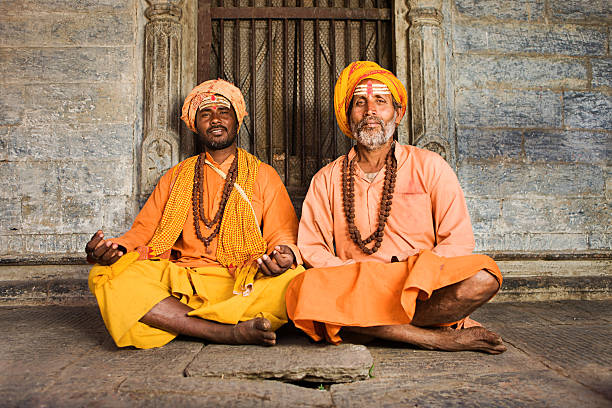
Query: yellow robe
128,289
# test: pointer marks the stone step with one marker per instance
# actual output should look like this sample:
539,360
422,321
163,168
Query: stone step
294,359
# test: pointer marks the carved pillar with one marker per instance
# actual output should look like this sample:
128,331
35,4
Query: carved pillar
427,85
162,92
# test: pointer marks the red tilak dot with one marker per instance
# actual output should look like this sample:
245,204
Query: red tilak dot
370,91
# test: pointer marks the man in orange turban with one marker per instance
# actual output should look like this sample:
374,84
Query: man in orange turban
212,251
388,235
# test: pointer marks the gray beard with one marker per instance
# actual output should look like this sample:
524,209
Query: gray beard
373,139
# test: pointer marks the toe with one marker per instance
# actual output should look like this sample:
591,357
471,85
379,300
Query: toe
263,324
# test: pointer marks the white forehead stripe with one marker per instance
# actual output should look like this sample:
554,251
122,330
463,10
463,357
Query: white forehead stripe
380,89
216,100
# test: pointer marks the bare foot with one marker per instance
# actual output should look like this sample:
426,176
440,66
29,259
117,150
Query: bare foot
473,338
254,331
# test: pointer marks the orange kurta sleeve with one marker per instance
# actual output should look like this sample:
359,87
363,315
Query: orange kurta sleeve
149,216
279,222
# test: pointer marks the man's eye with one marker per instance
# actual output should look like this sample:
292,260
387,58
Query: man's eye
359,103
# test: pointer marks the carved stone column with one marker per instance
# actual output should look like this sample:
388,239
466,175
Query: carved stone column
162,92
427,85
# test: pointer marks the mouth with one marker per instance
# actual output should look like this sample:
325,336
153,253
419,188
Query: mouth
216,131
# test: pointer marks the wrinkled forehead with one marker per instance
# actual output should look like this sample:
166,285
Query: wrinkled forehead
371,87
214,101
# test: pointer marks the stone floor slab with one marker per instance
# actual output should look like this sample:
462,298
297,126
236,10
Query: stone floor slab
391,361
209,392
294,358
527,388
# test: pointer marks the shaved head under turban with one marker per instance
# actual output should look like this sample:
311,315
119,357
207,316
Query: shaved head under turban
209,88
353,75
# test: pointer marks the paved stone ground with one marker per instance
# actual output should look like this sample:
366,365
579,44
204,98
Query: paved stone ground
61,356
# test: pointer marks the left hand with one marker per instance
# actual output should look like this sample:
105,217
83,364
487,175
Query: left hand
279,260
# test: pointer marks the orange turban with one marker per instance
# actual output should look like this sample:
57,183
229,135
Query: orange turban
348,80
209,88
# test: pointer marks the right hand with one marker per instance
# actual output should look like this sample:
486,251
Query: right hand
101,251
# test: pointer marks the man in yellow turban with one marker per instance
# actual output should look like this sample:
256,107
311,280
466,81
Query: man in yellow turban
387,233
212,251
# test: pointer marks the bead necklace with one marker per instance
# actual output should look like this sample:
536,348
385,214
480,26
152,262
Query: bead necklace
197,198
348,200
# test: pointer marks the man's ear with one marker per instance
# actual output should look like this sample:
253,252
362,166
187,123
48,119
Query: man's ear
398,118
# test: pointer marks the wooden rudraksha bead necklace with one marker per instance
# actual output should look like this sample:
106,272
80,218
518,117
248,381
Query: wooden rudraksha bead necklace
348,200
197,198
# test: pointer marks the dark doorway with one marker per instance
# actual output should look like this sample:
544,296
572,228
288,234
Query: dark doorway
285,56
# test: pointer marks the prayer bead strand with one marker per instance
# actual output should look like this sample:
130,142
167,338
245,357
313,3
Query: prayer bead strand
198,199
348,200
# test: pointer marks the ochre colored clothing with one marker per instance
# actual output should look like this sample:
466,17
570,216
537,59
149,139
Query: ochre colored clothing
129,288
428,212
351,76
320,301
428,232
270,202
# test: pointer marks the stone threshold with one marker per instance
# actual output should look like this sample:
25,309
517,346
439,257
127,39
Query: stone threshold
75,292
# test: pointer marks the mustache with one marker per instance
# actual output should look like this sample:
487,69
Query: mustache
210,129
368,120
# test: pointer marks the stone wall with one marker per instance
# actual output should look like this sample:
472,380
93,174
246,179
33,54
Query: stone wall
70,121
529,107
532,109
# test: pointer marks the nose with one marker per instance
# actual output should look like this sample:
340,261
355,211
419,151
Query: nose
371,107
215,117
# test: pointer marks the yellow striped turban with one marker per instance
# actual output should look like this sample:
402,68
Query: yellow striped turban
348,80
207,89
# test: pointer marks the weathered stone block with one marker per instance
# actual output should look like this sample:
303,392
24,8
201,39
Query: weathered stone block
66,29
538,215
488,144
587,110
41,214
602,72
10,215
598,240
546,39
508,108
297,361
581,9
568,146
56,243
82,213
35,179
104,102
11,244
526,10
484,213
11,104
117,213
4,141
58,142
478,71
530,242
69,64
113,177
517,179
17,7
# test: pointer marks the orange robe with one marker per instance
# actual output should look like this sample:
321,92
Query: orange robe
129,288
428,231
270,202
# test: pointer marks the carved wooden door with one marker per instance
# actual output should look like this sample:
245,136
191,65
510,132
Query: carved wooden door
285,56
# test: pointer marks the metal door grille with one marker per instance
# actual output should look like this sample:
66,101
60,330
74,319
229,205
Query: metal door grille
285,56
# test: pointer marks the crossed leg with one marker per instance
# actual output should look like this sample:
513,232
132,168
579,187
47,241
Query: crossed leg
171,315
447,304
